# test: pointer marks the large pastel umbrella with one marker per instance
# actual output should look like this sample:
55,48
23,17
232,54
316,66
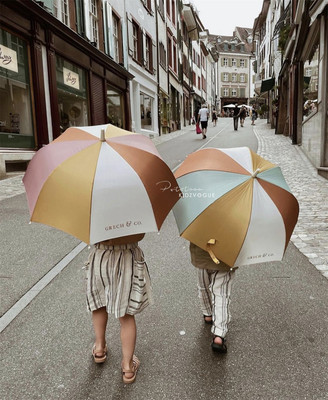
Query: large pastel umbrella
236,205
100,182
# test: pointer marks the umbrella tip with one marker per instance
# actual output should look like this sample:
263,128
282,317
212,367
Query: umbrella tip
102,135
256,172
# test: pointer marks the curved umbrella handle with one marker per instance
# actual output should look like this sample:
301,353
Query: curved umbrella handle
210,252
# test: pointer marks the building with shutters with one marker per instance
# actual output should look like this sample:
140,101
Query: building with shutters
234,67
66,68
142,63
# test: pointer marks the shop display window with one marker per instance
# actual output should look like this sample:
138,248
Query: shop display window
311,79
16,122
146,111
115,107
72,94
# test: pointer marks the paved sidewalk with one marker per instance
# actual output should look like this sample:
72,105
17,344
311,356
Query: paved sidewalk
311,190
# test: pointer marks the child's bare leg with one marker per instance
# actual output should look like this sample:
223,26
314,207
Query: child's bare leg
99,320
128,340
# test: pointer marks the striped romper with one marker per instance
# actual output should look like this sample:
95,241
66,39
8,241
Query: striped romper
118,277
214,288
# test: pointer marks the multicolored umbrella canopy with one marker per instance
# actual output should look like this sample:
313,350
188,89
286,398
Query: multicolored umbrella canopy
100,182
236,205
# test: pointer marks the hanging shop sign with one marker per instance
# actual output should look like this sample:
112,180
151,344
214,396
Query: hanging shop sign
8,58
71,78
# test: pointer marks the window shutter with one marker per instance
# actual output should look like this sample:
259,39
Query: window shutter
222,77
143,46
246,78
246,63
222,91
130,34
229,77
238,62
230,62
154,53
98,100
222,62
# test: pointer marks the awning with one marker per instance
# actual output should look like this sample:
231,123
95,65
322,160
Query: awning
315,13
267,84
282,21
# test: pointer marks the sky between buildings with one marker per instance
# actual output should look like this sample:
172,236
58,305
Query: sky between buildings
220,17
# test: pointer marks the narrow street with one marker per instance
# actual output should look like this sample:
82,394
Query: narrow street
277,342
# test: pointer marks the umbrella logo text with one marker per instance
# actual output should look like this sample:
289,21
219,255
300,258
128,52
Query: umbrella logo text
127,224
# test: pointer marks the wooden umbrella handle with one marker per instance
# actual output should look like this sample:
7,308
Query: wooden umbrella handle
210,252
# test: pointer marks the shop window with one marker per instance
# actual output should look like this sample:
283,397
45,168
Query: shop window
310,86
146,111
115,107
72,94
16,126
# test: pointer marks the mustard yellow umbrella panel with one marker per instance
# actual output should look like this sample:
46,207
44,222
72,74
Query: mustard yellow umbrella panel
99,182
236,205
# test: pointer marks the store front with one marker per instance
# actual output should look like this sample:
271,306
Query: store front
164,100
146,107
16,117
115,107
51,78
72,94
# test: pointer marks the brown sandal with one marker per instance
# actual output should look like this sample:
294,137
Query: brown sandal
136,364
98,359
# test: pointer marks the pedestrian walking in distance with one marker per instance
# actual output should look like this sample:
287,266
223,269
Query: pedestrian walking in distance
118,283
254,115
214,117
235,117
214,290
203,115
242,115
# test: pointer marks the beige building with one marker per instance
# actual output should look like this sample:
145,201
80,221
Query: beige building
234,82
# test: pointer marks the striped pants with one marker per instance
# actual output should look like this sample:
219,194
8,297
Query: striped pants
214,289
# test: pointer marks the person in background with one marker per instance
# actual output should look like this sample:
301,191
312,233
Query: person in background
242,115
254,115
236,113
203,115
118,283
214,117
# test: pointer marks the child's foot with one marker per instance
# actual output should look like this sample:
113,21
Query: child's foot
218,345
99,354
208,319
129,375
